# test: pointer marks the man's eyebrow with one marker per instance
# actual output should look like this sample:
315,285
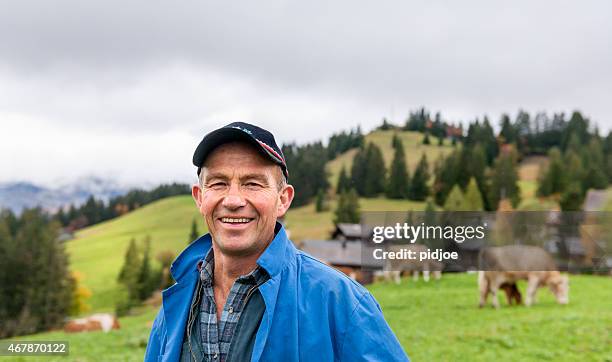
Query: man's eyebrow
212,176
255,176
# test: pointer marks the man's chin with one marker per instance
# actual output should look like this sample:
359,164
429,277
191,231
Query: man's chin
237,248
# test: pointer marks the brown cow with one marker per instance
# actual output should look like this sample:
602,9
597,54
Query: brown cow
508,264
96,322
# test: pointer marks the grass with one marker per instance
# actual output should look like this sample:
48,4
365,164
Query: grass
439,321
435,321
125,344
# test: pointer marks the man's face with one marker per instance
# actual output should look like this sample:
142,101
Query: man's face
240,199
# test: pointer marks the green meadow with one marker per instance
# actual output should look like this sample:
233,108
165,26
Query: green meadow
435,321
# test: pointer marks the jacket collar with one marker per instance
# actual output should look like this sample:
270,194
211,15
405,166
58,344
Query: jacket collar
273,259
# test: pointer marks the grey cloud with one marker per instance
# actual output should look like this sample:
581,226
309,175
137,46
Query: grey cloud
464,58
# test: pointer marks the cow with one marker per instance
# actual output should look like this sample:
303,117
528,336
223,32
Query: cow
96,322
393,268
508,264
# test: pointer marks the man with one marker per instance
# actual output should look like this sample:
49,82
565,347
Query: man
243,291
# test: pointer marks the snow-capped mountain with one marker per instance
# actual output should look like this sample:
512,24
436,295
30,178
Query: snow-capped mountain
19,195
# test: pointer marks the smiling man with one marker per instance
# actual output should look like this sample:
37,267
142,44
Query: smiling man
243,292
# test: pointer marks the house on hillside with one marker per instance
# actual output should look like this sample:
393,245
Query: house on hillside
347,232
344,256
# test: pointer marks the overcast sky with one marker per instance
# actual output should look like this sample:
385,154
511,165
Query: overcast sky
126,89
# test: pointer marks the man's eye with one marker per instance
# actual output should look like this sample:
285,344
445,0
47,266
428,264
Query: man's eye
216,184
253,184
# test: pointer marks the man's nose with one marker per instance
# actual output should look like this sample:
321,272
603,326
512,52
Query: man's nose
233,200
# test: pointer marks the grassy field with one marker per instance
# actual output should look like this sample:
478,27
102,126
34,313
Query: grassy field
435,321
440,322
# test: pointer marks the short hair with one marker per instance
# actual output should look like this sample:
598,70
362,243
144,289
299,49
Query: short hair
282,179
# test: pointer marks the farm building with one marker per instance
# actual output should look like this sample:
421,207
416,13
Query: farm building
344,256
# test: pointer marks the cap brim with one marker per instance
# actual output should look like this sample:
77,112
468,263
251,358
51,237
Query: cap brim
225,135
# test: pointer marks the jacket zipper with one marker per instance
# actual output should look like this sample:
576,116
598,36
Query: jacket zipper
194,317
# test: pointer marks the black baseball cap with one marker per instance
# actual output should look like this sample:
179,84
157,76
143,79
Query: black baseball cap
241,131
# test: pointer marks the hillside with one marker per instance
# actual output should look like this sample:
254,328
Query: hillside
97,252
413,148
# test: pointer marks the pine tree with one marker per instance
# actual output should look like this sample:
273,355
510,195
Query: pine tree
347,210
320,203
504,180
194,234
419,188
374,182
359,171
572,198
426,140
35,284
130,272
398,183
145,282
344,183
395,141
455,200
446,172
473,198
478,167
553,179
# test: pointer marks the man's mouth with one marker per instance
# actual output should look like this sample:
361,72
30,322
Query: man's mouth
234,220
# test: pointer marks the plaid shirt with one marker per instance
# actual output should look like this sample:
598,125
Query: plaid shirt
217,336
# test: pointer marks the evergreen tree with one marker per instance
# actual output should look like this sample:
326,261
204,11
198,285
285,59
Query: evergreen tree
445,177
398,183
419,188
344,183
504,179
572,198
455,200
426,140
473,198
320,203
36,288
347,210
594,161
553,179
478,168
130,273
146,284
374,171
194,234
395,141
359,171
508,133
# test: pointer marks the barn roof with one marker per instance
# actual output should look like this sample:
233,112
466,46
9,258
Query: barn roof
349,230
336,252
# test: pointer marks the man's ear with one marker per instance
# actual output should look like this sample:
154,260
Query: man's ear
196,193
286,196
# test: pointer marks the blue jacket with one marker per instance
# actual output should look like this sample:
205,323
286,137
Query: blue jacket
313,312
